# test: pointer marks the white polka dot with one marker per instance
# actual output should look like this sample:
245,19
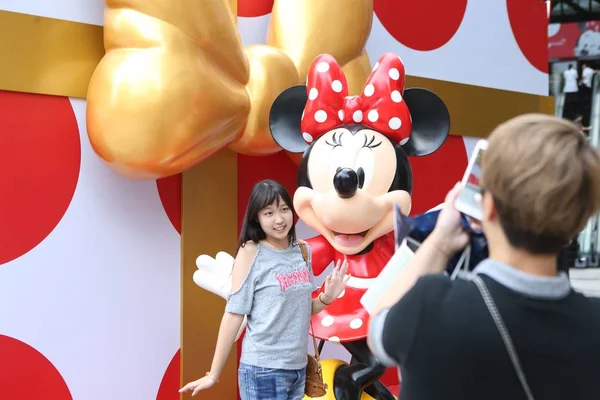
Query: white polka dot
369,90
336,86
341,115
396,96
307,137
403,141
320,116
313,93
322,66
327,321
342,294
356,323
357,116
373,116
376,66
334,339
302,118
395,123
394,74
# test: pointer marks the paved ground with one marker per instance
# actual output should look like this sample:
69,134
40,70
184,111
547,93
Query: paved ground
586,281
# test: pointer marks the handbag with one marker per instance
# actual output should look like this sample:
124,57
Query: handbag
514,358
314,386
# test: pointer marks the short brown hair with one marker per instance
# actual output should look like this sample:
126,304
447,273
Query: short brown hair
545,179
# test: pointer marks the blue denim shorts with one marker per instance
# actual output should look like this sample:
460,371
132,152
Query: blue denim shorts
258,383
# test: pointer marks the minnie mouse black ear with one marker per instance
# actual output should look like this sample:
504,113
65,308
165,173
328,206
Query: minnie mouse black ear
430,122
285,116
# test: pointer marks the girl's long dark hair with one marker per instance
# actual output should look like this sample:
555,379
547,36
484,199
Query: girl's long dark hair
264,193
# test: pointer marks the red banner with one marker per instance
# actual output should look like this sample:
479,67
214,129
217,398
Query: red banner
574,40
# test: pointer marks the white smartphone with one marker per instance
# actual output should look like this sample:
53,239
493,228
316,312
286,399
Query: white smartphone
469,199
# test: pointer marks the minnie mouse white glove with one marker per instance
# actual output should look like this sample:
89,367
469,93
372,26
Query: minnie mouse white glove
214,275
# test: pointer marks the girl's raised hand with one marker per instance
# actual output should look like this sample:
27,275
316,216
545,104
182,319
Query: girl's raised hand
336,282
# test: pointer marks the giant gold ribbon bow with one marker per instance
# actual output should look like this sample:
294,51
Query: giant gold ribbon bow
176,85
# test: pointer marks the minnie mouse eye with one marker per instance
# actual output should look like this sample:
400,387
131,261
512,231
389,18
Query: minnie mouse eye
361,177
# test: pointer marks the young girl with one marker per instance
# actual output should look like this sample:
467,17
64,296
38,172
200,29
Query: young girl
272,285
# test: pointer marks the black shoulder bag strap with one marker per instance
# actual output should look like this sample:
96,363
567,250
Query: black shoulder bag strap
491,306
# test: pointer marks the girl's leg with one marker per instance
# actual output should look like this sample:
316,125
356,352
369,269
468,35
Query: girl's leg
297,389
243,382
265,383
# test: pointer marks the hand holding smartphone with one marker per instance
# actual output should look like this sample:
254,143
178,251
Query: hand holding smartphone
468,201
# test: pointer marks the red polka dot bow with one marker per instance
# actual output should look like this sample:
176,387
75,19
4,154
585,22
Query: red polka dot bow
380,106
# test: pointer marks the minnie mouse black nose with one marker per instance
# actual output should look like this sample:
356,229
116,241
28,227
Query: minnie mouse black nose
345,182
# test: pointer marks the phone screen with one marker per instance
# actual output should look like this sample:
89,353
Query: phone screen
471,193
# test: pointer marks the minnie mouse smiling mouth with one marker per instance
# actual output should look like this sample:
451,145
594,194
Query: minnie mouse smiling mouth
349,239
363,233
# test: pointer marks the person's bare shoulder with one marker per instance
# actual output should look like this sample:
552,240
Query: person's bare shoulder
243,262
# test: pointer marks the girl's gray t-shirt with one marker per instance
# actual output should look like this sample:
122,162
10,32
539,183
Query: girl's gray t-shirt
276,297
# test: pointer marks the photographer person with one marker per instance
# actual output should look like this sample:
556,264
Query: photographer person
541,181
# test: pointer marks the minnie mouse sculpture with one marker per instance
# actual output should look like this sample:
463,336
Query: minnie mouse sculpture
354,168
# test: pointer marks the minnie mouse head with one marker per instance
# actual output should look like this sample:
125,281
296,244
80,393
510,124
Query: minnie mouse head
355,164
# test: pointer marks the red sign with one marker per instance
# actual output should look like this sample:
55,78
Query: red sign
574,40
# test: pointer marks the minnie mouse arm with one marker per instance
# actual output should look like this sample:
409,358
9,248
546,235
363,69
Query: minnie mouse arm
321,254
215,276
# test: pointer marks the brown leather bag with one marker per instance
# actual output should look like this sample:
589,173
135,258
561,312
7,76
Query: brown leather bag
314,386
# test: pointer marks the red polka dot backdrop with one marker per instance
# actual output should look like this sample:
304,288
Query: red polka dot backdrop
254,8
169,190
421,25
434,175
169,385
25,373
40,158
529,23
42,170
